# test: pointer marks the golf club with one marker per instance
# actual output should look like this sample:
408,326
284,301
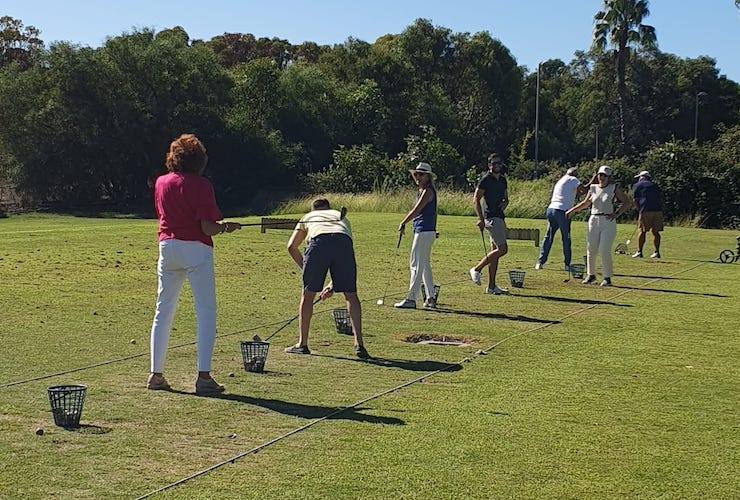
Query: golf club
395,258
318,299
623,248
342,215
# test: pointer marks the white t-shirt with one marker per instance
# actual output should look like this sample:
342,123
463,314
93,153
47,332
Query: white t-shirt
564,193
323,222
602,199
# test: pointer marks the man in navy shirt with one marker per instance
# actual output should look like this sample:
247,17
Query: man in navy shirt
493,189
648,202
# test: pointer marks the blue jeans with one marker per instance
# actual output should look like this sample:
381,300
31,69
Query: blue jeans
556,219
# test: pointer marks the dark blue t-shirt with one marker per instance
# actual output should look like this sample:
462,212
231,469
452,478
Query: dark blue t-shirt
427,219
648,197
494,192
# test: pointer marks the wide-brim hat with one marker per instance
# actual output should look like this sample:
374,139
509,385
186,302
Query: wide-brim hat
423,168
606,170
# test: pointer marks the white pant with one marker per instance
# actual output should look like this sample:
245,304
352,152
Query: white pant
421,264
179,260
601,234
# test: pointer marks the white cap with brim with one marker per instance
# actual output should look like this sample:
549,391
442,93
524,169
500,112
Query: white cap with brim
571,171
643,173
606,170
423,168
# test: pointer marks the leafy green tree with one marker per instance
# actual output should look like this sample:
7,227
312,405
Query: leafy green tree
620,25
18,43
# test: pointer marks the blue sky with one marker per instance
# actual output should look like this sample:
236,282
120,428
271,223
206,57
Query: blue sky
533,30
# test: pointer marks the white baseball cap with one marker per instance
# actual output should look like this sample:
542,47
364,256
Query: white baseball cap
643,173
606,170
571,171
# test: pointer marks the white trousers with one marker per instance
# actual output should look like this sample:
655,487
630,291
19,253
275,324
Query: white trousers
179,260
420,262
599,240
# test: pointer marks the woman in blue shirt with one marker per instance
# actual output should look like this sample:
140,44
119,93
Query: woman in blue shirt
424,217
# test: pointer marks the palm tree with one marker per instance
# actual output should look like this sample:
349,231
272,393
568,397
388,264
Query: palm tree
619,24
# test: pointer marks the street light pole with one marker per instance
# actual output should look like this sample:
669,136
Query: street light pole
696,115
537,122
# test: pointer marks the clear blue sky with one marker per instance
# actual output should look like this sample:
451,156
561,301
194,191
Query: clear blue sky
533,30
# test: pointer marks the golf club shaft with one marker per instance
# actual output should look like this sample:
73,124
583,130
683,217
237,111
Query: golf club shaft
395,258
288,322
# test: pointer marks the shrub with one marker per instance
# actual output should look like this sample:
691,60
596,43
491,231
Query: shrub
355,169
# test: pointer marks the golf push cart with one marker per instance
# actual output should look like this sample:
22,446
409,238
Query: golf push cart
728,256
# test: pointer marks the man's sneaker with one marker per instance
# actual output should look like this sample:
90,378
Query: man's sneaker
637,255
606,282
361,352
208,386
539,265
430,303
589,279
297,349
157,382
655,255
405,304
496,290
475,276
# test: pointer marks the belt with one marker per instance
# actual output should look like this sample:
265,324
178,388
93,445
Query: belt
602,214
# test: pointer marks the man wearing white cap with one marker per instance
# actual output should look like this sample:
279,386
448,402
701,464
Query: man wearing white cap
649,204
564,196
602,225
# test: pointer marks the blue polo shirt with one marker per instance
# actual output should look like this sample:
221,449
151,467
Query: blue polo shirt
648,197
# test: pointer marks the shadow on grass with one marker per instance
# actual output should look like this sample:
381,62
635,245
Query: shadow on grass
403,364
310,412
680,292
652,277
443,310
577,301
90,429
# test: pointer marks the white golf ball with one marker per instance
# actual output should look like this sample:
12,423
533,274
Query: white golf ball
380,302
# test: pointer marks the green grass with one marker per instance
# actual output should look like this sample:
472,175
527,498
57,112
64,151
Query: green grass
527,200
635,397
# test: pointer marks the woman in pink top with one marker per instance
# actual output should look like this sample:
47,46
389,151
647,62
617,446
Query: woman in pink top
188,217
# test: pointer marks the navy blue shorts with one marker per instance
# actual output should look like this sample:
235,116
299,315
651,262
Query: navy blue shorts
331,252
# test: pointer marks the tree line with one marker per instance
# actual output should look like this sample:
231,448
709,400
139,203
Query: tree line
85,124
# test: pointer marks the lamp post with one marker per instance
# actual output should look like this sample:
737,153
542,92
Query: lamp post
537,122
696,115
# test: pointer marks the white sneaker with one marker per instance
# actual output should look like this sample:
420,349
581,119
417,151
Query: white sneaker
430,303
475,276
496,291
655,255
539,265
405,304
637,255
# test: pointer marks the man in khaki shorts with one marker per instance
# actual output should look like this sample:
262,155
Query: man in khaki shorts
648,202
493,189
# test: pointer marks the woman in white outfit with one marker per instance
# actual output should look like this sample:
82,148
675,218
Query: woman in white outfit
602,225
424,217
188,217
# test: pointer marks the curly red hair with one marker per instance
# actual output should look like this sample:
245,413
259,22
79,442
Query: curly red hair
187,155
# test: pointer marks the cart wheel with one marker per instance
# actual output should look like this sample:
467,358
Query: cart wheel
726,256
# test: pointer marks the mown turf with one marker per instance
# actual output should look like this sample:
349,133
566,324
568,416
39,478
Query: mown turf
632,392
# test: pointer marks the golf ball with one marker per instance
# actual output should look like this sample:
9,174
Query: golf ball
380,302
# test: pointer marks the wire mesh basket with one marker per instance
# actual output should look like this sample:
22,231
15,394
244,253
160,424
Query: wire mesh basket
342,322
66,404
254,355
436,293
517,278
577,270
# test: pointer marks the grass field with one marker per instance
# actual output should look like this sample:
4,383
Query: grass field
630,391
